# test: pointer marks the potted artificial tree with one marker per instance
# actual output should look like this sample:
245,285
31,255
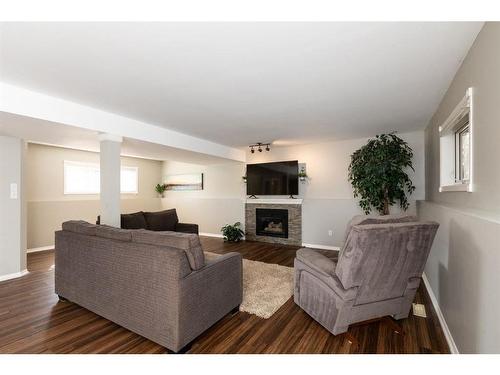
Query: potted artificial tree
378,173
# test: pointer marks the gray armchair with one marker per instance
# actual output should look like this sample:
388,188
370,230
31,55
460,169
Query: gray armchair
377,273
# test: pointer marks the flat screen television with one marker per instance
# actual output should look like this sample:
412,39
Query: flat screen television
279,178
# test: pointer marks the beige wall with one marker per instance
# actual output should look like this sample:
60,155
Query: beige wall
464,265
48,206
219,203
328,201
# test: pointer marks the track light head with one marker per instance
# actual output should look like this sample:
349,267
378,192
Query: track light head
260,149
267,148
252,150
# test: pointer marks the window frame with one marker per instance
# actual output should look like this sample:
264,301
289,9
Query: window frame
460,120
458,153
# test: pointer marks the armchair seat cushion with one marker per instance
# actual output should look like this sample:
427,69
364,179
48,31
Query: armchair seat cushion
317,261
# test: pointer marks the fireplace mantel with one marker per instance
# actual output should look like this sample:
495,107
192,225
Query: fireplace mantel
273,201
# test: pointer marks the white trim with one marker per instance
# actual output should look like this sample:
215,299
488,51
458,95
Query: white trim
461,110
211,235
446,330
273,201
41,248
455,187
321,247
13,275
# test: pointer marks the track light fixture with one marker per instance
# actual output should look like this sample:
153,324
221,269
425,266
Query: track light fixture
259,146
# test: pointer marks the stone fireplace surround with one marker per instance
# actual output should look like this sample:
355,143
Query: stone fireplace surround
294,208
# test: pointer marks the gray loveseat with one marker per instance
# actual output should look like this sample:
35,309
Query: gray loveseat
157,284
377,273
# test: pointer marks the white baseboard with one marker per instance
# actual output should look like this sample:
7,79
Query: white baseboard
217,235
13,275
446,330
42,248
321,247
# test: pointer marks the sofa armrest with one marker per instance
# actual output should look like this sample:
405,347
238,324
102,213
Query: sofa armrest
323,268
208,294
186,228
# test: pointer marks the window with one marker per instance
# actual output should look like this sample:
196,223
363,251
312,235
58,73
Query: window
129,177
462,154
85,178
81,178
456,148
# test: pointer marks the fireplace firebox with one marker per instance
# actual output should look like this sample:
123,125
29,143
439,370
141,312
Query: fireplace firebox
271,222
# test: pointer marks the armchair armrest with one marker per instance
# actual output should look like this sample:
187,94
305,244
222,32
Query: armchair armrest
317,261
323,268
186,228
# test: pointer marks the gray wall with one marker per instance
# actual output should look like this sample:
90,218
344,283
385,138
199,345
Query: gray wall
47,204
328,201
12,211
464,265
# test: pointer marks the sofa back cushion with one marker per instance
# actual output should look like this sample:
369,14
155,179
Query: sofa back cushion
133,221
80,226
112,233
161,221
189,243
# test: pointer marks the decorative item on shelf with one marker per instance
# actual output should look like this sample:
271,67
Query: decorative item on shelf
378,173
302,174
232,233
160,189
244,179
259,146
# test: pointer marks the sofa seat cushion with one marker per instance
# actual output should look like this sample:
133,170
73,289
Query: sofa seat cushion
317,261
188,242
161,221
134,221
80,226
112,233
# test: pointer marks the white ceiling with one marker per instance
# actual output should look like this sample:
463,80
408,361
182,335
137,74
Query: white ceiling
238,83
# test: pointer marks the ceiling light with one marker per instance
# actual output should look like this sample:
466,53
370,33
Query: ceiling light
260,146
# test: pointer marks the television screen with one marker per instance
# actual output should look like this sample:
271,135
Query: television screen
278,178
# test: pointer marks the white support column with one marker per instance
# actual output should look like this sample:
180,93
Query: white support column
12,209
110,179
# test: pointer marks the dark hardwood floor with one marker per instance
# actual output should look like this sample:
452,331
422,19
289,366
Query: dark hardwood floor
32,320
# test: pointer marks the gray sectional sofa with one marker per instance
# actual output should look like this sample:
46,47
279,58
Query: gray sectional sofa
377,273
157,284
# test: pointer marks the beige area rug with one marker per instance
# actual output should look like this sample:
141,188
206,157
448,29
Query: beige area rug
266,287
